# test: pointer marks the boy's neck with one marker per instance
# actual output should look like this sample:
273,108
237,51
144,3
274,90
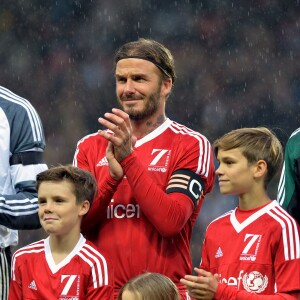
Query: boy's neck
62,246
247,202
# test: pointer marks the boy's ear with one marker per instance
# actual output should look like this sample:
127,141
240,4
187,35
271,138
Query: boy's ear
84,207
261,169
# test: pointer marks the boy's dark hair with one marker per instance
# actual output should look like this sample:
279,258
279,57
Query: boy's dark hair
152,51
256,144
84,183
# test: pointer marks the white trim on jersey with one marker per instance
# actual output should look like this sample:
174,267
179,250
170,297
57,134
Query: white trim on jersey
204,154
295,132
204,145
222,216
90,263
24,210
20,204
290,237
281,189
90,255
104,263
290,233
240,226
49,257
75,163
5,277
31,112
93,261
31,248
153,134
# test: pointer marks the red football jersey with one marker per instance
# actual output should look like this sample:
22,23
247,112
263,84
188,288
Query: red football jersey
83,274
257,251
147,226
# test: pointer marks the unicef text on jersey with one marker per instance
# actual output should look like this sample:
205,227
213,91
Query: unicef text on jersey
121,211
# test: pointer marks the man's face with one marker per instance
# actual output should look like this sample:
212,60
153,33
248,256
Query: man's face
141,92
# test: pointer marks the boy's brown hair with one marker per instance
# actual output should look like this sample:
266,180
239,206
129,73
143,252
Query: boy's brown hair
151,286
256,144
84,183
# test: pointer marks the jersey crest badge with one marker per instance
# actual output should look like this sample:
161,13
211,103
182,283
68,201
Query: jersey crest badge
255,282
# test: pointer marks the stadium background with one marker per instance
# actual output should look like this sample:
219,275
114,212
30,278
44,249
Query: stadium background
237,65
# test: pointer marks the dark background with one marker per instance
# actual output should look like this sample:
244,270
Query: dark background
237,64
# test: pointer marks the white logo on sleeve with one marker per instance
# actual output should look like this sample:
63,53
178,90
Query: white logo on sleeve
219,253
102,162
32,285
255,282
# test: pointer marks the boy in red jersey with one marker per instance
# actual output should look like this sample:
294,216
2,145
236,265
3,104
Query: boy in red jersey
65,265
144,219
252,252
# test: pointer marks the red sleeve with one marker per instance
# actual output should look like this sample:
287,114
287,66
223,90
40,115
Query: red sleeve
204,264
15,291
287,259
15,287
167,212
225,292
80,160
103,293
106,189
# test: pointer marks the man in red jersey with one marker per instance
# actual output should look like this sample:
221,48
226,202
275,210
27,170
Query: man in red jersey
65,265
253,251
150,192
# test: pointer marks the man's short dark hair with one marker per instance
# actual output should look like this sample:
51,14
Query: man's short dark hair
152,51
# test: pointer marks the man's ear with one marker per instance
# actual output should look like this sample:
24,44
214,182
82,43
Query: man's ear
84,207
166,87
261,169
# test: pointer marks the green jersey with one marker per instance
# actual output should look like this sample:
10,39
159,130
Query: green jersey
289,184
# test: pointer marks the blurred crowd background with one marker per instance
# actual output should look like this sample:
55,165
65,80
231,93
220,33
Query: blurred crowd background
237,65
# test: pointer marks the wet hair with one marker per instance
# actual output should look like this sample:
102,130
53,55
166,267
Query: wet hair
151,286
256,144
152,51
84,183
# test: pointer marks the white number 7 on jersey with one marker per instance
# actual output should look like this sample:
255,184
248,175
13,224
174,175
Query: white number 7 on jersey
253,238
68,284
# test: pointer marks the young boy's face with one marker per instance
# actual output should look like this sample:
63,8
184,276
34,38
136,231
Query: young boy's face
235,174
58,211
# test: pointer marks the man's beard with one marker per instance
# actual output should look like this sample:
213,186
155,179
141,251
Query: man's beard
151,107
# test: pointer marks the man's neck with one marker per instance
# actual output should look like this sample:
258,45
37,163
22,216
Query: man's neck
142,128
